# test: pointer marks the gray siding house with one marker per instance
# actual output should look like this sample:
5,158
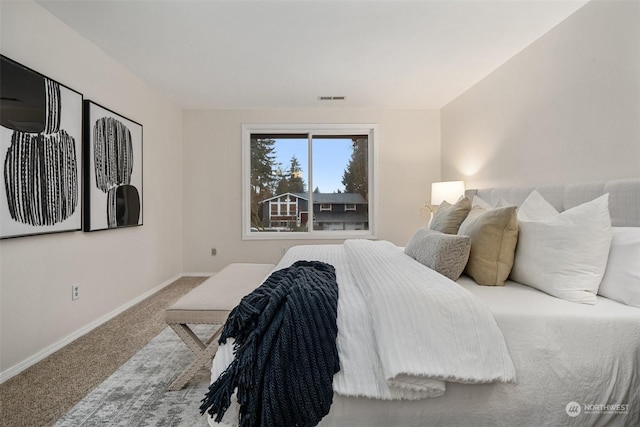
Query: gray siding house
331,211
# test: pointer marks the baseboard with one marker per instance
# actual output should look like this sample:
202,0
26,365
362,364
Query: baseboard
16,369
198,274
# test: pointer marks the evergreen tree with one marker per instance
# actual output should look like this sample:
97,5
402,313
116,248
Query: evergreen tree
296,181
263,177
291,181
356,175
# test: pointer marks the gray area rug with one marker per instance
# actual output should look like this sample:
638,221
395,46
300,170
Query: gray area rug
136,394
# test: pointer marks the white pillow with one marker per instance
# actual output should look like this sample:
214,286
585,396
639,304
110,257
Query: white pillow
478,201
621,281
563,254
535,208
502,203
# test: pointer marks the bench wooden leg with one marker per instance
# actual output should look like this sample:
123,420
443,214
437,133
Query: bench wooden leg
204,353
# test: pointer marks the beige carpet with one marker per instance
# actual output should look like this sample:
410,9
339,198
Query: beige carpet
44,392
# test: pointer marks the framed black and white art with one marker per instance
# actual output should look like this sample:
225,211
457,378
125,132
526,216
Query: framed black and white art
40,150
113,169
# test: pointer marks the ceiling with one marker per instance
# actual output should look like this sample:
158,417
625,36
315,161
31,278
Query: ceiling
285,54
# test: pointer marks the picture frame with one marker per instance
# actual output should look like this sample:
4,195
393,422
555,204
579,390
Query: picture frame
40,153
113,169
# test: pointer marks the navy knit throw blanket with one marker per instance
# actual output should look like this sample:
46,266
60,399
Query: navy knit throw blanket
285,353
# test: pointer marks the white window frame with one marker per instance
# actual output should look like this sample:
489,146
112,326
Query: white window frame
313,130
283,205
326,207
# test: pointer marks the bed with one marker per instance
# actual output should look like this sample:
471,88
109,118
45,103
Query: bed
545,359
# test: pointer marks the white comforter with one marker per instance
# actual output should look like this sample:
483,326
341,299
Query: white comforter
403,330
425,329
563,352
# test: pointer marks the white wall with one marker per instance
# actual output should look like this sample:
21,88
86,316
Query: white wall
112,267
564,110
409,160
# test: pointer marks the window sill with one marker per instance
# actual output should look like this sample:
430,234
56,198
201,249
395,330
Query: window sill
316,235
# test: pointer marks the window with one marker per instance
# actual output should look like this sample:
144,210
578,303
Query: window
308,181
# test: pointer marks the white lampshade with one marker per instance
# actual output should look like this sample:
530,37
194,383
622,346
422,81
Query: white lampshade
448,190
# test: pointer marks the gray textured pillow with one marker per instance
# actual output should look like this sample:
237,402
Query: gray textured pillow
445,253
447,218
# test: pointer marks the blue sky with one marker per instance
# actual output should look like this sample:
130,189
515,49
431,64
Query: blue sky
330,158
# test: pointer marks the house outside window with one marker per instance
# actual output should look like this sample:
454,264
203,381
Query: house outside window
309,181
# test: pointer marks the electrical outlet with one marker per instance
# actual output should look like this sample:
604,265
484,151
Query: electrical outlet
75,292
214,252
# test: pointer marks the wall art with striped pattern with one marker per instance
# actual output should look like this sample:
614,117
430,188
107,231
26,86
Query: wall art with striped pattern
113,169
40,150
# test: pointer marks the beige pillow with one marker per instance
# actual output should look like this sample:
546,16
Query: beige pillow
447,218
445,253
494,234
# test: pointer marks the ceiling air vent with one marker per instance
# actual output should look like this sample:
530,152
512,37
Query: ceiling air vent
332,98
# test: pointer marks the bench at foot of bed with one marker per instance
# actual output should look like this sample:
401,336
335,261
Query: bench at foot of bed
210,303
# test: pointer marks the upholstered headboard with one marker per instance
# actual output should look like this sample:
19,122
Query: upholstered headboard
624,197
